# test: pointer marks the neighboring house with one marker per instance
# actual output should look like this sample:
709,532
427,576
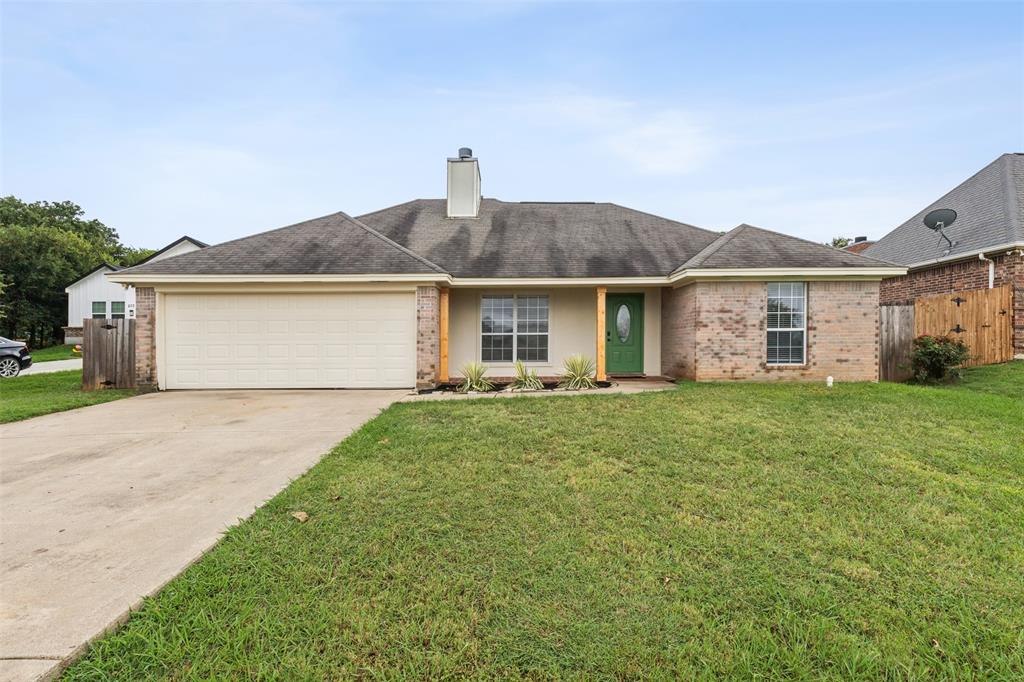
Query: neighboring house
988,243
858,245
408,295
95,296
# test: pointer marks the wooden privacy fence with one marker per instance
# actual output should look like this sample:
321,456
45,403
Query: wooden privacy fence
108,354
896,333
983,319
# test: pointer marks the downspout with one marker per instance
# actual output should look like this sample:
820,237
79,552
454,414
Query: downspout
991,269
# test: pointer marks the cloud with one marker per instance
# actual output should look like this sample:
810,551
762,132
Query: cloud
668,142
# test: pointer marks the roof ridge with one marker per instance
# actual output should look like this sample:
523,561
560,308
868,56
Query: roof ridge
712,248
659,217
393,243
388,208
808,241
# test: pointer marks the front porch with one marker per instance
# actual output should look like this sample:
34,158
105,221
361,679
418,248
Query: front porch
618,327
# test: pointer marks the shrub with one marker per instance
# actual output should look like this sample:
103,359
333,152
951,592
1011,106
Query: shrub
474,379
578,373
936,358
526,380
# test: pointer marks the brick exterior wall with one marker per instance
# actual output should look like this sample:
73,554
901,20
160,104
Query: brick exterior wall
729,332
679,332
962,276
145,336
428,336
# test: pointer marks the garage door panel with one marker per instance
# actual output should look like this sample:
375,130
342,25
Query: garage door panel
364,340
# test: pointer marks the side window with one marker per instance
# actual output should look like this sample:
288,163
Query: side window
99,310
117,310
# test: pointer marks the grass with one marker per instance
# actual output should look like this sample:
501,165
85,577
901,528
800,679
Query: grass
36,394
54,353
713,531
1006,380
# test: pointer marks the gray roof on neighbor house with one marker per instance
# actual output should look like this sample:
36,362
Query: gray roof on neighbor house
746,246
331,245
534,239
990,212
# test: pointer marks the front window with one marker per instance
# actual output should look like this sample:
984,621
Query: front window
117,310
514,328
787,323
99,310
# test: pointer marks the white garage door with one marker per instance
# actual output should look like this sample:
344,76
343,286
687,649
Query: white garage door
353,340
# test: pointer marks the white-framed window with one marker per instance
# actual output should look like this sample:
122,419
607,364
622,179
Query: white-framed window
99,310
117,310
787,323
514,327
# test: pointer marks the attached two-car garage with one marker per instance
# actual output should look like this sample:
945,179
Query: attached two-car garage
288,340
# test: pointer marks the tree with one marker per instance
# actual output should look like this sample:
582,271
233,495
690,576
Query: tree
44,246
839,242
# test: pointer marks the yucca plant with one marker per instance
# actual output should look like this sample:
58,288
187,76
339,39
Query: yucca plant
578,373
526,379
474,379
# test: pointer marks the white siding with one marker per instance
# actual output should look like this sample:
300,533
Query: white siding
95,287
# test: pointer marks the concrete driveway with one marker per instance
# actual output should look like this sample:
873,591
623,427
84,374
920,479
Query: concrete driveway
102,505
52,366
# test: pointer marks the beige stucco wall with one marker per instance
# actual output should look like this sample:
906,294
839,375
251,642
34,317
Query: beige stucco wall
572,322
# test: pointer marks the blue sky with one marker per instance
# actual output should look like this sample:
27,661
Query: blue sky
223,119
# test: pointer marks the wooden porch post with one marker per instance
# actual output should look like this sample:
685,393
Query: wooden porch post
601,291
442,368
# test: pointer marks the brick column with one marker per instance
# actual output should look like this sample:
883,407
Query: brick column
1015,278
428,337
145,336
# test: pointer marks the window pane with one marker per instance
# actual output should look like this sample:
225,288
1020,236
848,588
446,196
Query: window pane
786,322
532,314
117,307
496,348
496,314
99,309
532,348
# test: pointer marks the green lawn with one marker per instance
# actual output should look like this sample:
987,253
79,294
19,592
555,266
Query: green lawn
54,353
713,531
1006,380
36,394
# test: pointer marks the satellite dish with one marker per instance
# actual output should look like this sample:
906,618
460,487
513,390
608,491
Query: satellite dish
938,220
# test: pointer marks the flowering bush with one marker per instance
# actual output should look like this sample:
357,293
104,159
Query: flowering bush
937,358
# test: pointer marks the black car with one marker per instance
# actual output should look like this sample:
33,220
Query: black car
14,357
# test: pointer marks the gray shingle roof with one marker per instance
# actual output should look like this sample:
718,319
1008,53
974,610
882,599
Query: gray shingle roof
746,246
335,244
509,239
990,212
532,239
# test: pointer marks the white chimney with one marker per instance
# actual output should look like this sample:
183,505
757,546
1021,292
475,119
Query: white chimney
464,185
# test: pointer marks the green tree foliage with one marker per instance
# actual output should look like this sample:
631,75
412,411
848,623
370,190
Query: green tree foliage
44,246
840,242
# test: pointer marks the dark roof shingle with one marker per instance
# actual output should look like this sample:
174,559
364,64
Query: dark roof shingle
746,246
990,212
334,244
533,239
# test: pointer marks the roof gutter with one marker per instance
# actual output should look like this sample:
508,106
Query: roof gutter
968,255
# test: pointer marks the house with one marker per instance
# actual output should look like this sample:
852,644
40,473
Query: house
95,296
858,245
408,295
987,243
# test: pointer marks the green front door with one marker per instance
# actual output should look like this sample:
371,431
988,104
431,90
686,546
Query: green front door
624,334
